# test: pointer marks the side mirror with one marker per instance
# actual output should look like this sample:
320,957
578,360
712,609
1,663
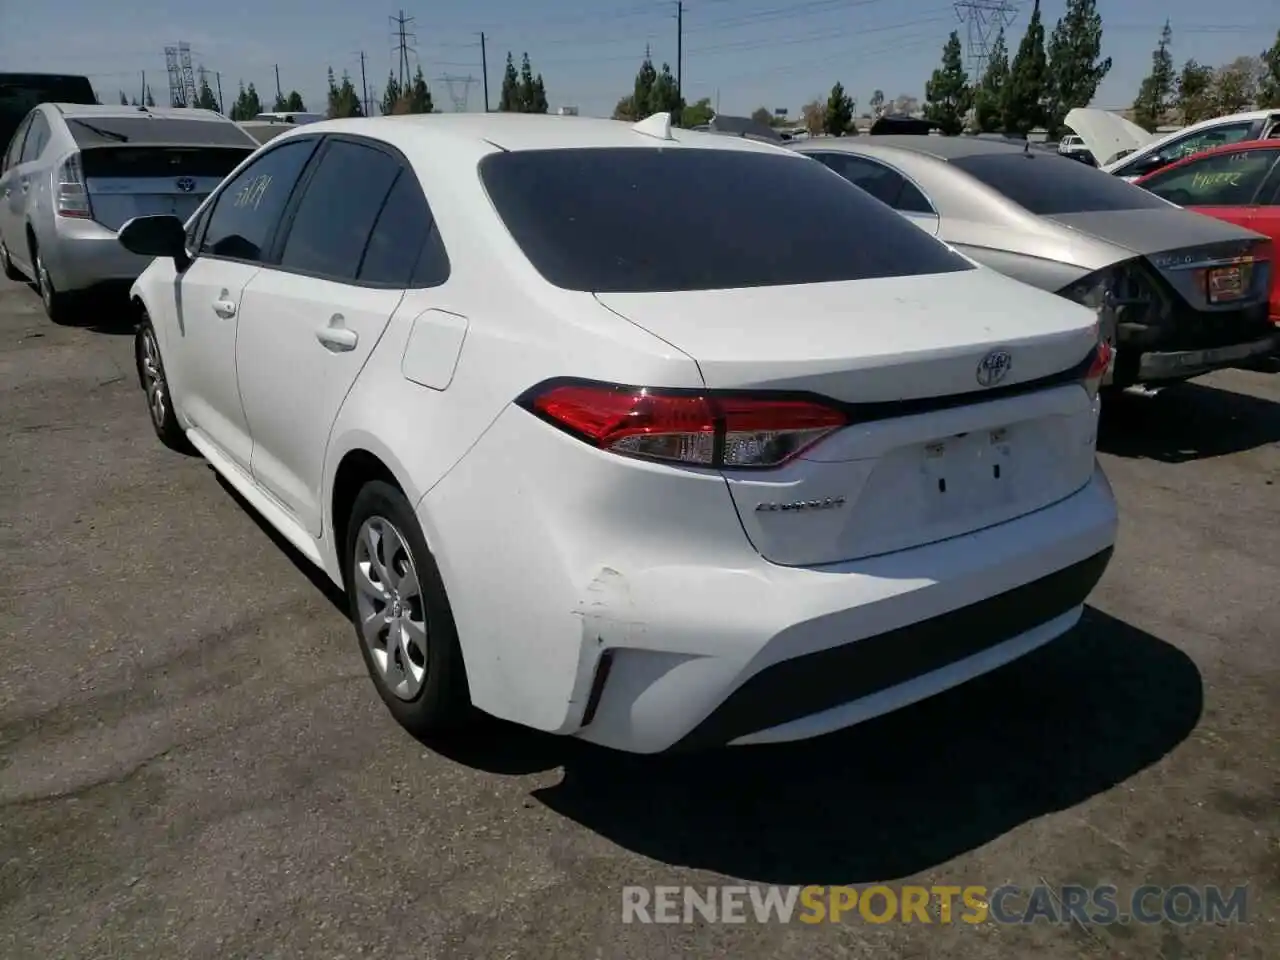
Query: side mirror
157,236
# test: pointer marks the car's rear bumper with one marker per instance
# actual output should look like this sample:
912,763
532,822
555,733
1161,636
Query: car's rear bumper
622,603
1180,364
83,254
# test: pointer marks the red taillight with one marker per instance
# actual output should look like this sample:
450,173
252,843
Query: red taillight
700,429
1098,368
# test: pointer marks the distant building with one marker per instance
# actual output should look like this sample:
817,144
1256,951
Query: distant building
567,111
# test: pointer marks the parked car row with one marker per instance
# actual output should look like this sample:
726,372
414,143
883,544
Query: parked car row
593,445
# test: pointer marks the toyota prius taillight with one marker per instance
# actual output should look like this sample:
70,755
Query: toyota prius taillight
70,197
696,428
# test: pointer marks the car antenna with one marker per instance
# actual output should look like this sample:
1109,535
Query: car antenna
656,125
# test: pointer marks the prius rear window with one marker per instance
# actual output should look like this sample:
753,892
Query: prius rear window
651,219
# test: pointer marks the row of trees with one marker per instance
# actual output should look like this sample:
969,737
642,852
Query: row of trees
246,105
1198,92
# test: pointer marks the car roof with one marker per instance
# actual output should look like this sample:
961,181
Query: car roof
1238,147
119,111
521,131
943,148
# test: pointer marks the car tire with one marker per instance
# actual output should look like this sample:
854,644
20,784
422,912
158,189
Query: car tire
57,306
6,265
402,618
151,376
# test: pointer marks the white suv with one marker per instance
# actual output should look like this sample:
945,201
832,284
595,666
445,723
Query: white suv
600,438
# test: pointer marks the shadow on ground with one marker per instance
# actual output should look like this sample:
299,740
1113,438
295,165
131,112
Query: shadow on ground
883,800
894,796
1192,421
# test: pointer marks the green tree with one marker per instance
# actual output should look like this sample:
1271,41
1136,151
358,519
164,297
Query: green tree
206,100
248,105
838,119
665,95
988,98
279,104
1194,99
1157,88
642,94
1235,86
293,102
696,114
1075,67
419,94
539,103
877,103
1269,81
391,95
947,93
762,115
509,101
344,101
1024,94
149,101
626,108
124,100
526,85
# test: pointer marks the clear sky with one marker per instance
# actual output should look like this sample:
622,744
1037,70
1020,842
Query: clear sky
743,53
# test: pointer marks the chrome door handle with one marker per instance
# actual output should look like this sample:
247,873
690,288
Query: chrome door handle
336,337
224,308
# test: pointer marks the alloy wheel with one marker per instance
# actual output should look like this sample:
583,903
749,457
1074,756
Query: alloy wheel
153,379
390,607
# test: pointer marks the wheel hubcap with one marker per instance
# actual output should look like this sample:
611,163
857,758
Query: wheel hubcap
153,379
390,607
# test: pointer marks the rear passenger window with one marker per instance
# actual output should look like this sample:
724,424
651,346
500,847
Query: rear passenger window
403,239
37,138
15,145
343,201
911,200
876,179
247,211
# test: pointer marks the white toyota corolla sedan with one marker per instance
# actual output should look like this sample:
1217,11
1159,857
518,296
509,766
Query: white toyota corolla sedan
655,438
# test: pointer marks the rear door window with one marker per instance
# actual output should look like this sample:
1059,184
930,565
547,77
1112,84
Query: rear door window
1205,140
1047,184
1224,180
404,248
37,138
342,202
14,152
875,178
247,210
621,220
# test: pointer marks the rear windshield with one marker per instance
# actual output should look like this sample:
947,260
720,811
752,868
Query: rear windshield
162,161
143,129
20,93
645,219
1046,184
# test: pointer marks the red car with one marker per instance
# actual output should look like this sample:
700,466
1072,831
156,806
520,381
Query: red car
1239,183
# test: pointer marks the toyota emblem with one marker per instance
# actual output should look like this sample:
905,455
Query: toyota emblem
994,367
185,184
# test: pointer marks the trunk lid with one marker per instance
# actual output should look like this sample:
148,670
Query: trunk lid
931,451
1184,248
135,181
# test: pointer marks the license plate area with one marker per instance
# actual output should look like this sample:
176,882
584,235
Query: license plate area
968,474
1227,284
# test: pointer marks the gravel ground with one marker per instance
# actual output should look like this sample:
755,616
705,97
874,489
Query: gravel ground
194,764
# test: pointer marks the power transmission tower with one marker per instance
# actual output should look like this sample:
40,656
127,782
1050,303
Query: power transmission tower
463,98
176,95
983,19
404,44
188,75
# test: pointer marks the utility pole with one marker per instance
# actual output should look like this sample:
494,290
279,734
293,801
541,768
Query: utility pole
364,86
222,107
279,94
679,47
142,97
484,71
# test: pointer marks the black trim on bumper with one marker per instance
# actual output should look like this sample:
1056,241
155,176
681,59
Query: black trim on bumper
815,682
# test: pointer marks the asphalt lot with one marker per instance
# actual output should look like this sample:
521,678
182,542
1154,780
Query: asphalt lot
193,762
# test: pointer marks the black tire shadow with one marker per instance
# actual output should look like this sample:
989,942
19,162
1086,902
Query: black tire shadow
1191,421
891,797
